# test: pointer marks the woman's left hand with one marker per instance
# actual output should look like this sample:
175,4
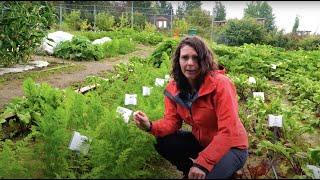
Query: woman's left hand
196,173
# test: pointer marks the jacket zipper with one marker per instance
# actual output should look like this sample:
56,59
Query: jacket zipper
193,121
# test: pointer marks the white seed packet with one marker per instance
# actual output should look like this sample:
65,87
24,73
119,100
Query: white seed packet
259,95
159,82
125,113
252,80
167,77
130,99
79,143
146,91
273,66
315,170
275,121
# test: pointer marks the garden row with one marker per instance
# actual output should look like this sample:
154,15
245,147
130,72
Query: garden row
36,143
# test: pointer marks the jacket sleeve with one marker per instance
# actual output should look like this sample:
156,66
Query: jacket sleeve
226,107
170,122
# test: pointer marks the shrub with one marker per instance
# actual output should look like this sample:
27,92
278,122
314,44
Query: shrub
23,25
123,20
310,43
85,26
277,39
71,21
104,21
150,27
180,26
238,32
139,21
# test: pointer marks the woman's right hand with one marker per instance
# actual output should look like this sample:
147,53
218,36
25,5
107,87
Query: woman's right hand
141,120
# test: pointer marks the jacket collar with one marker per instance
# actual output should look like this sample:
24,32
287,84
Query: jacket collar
206,87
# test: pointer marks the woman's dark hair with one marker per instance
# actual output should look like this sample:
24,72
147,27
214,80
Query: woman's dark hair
205,60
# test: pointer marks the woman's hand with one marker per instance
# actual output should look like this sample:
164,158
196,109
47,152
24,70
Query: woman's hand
196,173
141,120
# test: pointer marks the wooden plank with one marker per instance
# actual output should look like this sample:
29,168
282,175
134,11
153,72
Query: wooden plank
85,89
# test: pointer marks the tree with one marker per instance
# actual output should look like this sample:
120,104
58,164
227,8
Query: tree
191,5
261,9
180,11
251,10
296,25
219,11
199,17
165,7
142,6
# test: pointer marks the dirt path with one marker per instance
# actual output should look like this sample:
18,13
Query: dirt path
63,80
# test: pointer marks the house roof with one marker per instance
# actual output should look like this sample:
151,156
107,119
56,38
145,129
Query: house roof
161,18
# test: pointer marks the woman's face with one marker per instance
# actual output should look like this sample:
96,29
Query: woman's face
189,63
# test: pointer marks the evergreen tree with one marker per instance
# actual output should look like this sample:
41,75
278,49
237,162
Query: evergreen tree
296,25
219,11
261,9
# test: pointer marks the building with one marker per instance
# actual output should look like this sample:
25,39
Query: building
162,22
303,33
220,23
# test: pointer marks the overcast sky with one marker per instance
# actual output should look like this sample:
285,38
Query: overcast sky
283,11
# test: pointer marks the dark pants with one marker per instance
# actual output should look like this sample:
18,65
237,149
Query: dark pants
177,148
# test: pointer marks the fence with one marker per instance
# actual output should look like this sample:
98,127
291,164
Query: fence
162,18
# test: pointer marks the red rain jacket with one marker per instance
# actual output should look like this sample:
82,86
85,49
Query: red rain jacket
213,116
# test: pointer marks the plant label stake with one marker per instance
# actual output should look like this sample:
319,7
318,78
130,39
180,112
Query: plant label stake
130,99
315,170
252,80
125,113
146,91
275,121
167,77
79,143
273,66
159,82
259,95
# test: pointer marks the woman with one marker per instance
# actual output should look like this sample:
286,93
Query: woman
203,97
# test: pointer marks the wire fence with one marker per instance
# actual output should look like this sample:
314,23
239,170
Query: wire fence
162,18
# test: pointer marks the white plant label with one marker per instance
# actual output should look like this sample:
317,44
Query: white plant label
273,66
125,113
78,143
259,95
130,99
159,82
167,77
315,170
252,80
146,91
275,121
